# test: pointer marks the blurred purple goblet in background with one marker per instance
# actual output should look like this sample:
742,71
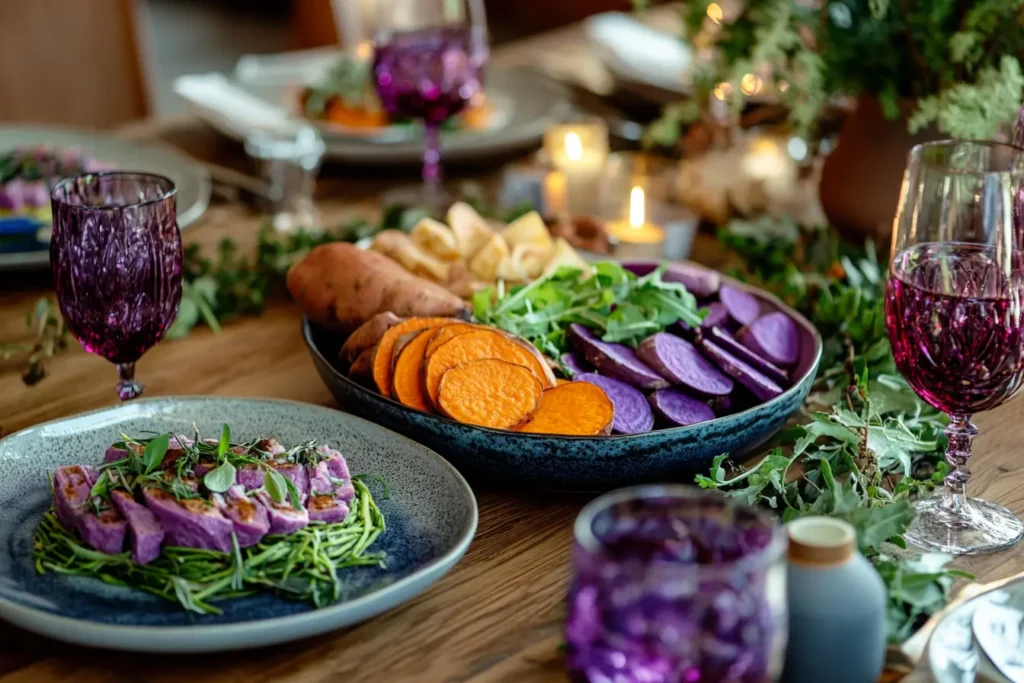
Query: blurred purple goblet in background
676,585
116,257
428,65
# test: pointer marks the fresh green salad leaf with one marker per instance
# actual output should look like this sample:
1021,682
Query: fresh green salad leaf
608,298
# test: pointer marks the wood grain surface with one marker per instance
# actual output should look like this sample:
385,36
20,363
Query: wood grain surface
496,618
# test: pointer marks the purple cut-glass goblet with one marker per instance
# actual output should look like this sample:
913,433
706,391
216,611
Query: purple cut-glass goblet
117,262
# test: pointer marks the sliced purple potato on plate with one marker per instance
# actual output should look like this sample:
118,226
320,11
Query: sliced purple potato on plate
678,409
632,412
774,337
680,362
756,382
742,306
615,360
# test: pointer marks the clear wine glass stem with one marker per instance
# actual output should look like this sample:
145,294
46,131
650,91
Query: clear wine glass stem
432,161
127,387
961,433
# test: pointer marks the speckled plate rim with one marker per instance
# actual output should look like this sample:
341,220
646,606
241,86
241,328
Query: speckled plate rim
812,367
259,632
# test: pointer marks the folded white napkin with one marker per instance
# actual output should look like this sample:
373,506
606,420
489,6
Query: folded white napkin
635,51
228,107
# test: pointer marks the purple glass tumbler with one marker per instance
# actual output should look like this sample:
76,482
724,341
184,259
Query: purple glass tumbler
116,257
676,585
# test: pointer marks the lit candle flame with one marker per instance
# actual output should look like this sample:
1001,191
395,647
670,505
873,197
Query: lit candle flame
364,50
750,84
715,13
573,146
636,208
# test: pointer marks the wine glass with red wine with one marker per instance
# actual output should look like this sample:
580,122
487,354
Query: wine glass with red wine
117,263
954,310
427,66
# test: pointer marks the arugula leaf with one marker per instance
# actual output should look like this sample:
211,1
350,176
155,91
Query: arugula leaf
155,451
220,478
876,525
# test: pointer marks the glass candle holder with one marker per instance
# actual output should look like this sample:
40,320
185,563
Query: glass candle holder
676,585
289,159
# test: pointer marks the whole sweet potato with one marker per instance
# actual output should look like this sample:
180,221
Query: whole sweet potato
341,286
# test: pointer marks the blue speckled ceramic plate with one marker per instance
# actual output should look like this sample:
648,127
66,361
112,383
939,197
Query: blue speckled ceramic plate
431,518
578,463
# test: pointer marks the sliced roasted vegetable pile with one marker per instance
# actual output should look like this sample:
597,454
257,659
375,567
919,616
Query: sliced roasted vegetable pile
472,373
641,354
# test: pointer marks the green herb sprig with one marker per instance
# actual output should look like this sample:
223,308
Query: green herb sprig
50,337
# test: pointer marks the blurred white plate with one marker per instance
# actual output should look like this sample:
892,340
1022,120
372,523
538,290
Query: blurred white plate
265,89
638,53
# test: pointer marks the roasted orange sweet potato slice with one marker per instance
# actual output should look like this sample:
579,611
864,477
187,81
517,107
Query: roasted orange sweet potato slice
407,375
446,332
574,409
540,364
382,359
490,393
483,343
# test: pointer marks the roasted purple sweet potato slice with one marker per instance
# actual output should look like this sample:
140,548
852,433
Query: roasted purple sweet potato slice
144,529
71,488
759,385
678,409
615,360
632,413
250,477
677,360
774,337
717,316
327,509
250,519
701,282
284,519
728,342
191,522
742,306
104,531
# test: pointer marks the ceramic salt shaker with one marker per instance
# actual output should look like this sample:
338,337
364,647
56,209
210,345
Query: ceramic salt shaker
836,606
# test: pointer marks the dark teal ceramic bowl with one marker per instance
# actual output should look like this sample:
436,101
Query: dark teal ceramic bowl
574,462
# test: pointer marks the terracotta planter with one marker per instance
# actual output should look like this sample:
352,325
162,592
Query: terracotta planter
860,182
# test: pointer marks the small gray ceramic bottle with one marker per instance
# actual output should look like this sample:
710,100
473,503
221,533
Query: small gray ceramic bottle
836,606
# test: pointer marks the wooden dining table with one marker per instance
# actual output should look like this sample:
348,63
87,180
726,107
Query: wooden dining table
497,617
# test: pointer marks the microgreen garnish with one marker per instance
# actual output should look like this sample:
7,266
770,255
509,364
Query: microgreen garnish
225,441
155,451
220,478
275,485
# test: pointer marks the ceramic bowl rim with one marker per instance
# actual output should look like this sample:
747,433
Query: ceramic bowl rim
796,316
127,635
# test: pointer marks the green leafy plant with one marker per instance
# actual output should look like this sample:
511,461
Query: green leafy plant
877,445
951,63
